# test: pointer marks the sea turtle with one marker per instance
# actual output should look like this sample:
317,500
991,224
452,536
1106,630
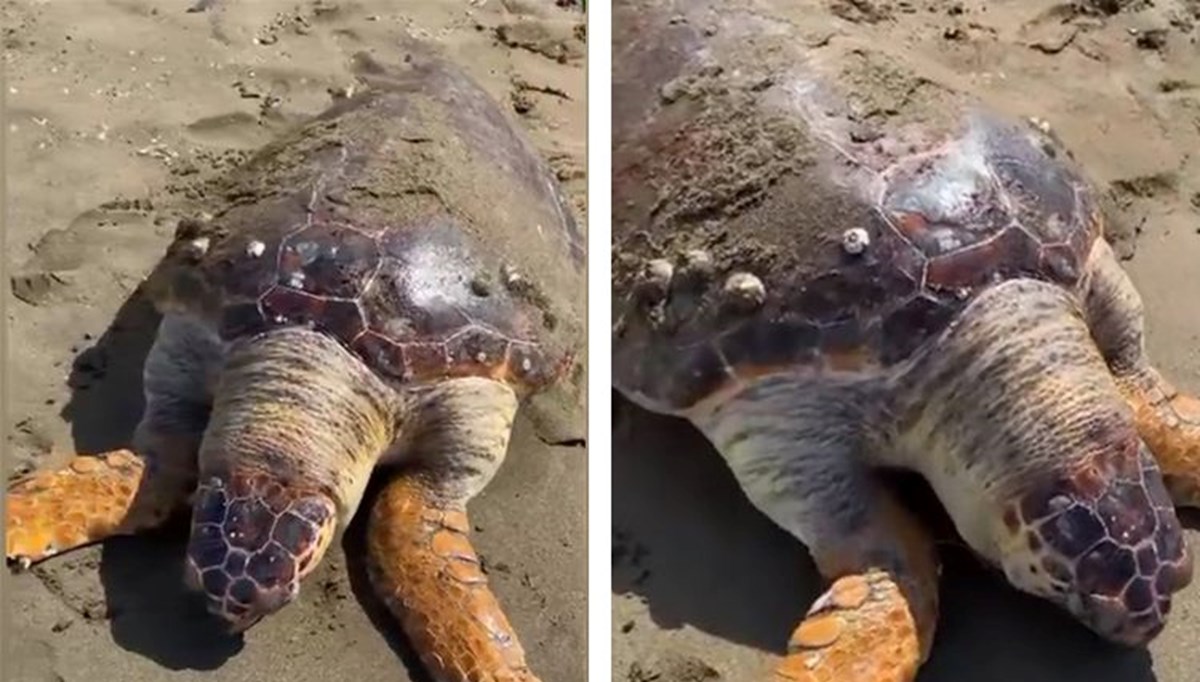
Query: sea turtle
835,264
377,290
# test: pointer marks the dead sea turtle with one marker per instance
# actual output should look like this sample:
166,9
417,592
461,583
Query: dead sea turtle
834,266
379,289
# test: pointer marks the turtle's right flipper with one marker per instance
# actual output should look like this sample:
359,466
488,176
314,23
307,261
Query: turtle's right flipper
872,626
797,453
92,498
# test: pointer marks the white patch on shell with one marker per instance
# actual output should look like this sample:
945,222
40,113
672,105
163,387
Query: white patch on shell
526,364
947,240
255,248
746,289
481,357
296,281
855,241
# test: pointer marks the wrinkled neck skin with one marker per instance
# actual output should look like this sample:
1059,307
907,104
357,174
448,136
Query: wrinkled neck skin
295,406
1015,420
297,425
1014,393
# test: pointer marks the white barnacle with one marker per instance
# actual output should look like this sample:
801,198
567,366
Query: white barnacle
481,357
745,289
655,281
526,365
198,247
255,248
510,275
296,280
658,272
855,241
697,259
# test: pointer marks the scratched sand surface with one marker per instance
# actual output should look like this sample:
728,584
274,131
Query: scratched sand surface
113,99
707,589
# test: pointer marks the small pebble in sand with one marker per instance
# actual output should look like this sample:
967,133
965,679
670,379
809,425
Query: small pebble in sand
855,241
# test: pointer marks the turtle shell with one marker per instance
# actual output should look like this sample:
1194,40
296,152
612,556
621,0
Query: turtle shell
779,208
412,222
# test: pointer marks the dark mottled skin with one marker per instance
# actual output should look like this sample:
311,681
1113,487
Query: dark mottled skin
412,223
952,204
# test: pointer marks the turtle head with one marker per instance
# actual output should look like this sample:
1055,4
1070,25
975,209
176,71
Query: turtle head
1102,540
253,539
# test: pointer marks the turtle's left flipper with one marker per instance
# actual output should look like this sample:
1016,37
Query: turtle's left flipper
420,559
1167,420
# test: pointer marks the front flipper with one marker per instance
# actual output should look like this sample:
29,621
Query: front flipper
797,452
419,556
424,567
875,625
1167,420
92,498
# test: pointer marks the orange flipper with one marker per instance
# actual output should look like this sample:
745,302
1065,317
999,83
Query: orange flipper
861,630
871,625
92,498
1169,423
423,566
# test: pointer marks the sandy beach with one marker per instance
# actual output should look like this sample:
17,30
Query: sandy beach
706,588
113,109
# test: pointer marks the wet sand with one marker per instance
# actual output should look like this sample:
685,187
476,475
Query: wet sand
112,102
705,588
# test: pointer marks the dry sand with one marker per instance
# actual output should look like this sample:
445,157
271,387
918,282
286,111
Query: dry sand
705,588
110,101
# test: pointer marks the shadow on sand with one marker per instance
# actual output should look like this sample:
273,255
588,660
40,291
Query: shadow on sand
689,544
151,612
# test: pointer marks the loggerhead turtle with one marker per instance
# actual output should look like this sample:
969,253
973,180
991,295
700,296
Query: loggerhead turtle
833,266
380,289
